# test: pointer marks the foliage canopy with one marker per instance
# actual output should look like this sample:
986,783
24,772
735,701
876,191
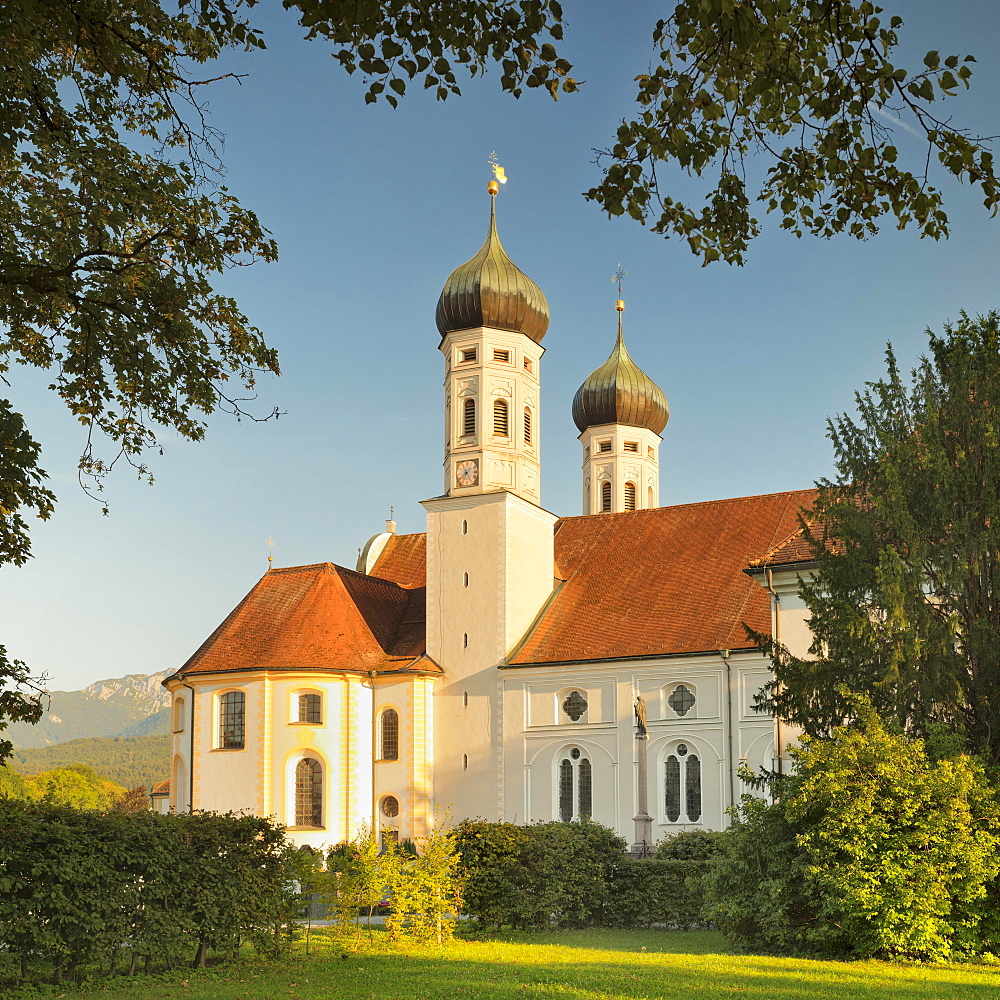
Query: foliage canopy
810,87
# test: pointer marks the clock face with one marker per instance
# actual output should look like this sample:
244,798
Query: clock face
467,472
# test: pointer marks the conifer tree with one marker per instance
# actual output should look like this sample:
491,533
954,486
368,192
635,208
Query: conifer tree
905,597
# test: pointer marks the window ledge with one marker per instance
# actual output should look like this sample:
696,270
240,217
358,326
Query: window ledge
305,829
387,760
228,749
299,722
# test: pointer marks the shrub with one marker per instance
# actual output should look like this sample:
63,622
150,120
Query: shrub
691,845
872,849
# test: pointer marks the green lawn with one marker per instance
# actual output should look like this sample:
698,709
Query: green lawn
584,965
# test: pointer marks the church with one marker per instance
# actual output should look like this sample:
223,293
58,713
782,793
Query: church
507,663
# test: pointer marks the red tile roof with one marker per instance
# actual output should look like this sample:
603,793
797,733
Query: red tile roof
403,561
660,582
320,617
161,788
794,549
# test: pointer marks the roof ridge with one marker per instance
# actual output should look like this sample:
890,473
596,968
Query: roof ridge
693,503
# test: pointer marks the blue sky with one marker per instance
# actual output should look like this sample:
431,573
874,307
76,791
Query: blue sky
372,209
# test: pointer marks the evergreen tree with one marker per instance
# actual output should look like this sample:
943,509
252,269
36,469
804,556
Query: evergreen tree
905,597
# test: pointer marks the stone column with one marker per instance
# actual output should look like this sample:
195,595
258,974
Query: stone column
643,821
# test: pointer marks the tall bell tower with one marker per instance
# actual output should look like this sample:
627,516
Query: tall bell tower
492,318
489,542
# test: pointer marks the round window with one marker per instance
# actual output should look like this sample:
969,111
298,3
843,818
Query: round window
575,753
682,749
390,806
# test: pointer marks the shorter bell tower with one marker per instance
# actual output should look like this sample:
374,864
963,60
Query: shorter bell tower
620,413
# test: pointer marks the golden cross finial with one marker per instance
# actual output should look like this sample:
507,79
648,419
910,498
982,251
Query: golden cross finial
392,512
270,555
499,174
618,276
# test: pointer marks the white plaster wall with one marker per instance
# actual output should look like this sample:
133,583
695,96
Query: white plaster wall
505,545
538,735
620,466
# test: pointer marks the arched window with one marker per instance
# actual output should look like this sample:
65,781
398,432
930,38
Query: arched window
308,792
310,708
576,787
388,732
232,720
682,786
527,425
605,496
469,417
501,425
179,714
649,498
630,496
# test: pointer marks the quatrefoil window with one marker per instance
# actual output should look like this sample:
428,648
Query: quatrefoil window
681,699
574,705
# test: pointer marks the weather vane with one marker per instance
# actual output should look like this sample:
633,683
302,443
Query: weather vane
270,555
620,274
499,174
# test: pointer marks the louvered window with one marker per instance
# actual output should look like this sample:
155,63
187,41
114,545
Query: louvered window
502,356
500,422
232,720
527,425
470,354
527,364
605,496
310,708
630,496
389,735
308,792
469,417
604,446
631,445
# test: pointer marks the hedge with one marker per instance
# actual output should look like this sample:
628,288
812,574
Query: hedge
643,893
120,891
572,875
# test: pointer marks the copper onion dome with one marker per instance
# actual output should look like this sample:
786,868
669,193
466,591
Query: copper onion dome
490,290
619,392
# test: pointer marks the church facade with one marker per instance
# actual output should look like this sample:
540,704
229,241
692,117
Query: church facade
493,665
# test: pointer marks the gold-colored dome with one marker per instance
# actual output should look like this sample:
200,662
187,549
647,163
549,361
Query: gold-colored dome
490,290
620,392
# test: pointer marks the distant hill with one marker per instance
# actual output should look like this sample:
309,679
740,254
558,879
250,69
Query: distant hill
124,706
140,760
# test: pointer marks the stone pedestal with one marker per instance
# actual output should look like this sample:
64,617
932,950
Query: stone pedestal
643,845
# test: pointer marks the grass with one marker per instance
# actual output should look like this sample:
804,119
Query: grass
581,965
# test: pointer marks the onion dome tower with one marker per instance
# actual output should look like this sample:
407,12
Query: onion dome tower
492,318
490,544
620,412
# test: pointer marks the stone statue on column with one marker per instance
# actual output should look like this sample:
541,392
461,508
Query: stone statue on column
643,844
